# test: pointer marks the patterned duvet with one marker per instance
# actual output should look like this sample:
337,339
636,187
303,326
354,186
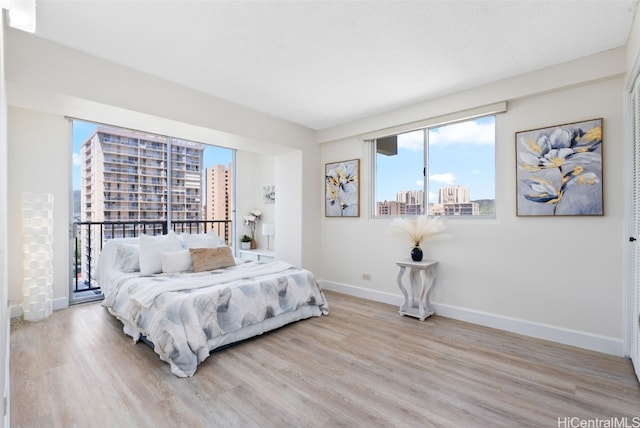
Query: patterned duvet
187,315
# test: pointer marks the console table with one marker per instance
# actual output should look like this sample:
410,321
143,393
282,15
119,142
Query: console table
422,277
260,255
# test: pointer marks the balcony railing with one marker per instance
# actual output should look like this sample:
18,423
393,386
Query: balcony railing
90,236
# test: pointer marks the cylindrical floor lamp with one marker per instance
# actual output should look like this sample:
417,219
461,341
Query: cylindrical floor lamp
37,229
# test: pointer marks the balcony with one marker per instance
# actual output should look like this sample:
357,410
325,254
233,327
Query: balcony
89,237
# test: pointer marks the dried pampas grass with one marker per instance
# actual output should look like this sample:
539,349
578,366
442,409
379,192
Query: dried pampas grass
419,229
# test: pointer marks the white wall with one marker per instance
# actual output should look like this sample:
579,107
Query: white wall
312,207
632,48
4,318
297,179
288,225
556,278
40,162
256,171
50,77
46,82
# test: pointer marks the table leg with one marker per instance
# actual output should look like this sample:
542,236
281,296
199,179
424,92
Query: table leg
422,296
430,310
405,305
416,290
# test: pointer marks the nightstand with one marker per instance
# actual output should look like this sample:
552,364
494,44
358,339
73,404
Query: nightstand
258,254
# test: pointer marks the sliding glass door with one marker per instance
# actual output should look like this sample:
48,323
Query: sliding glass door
127,182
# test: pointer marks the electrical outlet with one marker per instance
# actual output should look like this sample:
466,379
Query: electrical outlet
366,277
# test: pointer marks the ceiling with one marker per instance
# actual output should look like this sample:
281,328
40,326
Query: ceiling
323,63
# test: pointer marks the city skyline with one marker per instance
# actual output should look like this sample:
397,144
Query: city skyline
452,200
459,154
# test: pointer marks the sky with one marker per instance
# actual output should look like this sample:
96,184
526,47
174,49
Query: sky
82,130
459,154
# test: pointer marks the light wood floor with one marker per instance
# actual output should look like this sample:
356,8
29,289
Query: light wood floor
363,365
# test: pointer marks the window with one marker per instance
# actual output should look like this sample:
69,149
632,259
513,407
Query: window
439,170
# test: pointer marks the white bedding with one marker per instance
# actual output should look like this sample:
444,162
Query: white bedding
186,315
145,296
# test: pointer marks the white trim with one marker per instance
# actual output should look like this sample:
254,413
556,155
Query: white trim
365,293
469,114
628,274
15,308
580,339
6,397
632,75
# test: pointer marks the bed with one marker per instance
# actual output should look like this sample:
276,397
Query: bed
186,295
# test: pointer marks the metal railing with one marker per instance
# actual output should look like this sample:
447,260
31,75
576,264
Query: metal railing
90,236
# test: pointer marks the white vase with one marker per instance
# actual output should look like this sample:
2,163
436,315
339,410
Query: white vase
245,245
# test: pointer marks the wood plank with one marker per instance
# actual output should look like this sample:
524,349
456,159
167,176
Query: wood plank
363,365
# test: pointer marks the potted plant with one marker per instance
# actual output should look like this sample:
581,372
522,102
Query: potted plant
245,242
417,230
251,220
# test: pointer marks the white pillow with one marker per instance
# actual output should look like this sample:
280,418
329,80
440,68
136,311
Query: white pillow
128,258
108,262
150,249
202,240
176,261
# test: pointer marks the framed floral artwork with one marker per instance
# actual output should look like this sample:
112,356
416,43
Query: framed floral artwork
269,194
559,170
342,189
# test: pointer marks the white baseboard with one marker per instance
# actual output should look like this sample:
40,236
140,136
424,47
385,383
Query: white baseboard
580,339
365,293
15,308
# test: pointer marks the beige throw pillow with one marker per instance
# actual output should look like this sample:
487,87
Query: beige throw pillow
211,258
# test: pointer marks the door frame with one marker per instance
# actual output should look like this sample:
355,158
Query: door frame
631,302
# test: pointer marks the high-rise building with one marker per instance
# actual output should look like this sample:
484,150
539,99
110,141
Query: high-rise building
413,200
219,193
454,195
456,200
414,209
415,197
391,208
126,177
